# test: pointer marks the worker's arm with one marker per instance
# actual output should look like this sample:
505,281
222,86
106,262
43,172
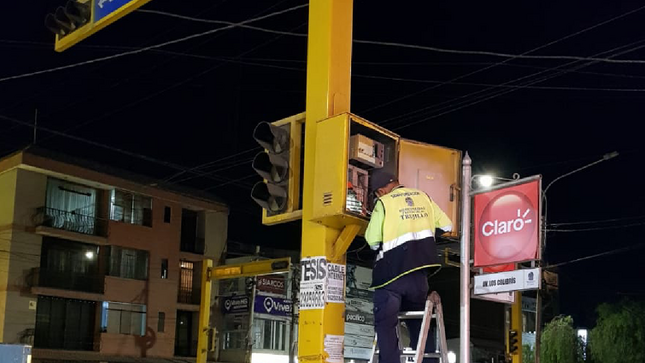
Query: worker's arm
374,232
441,220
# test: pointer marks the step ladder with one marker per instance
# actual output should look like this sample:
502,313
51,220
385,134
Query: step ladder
432,310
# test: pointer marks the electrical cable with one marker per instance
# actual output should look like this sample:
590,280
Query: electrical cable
606,253
507,60
154,46
447,104
595,221
465,103
598,228
65,81
107,147
150,96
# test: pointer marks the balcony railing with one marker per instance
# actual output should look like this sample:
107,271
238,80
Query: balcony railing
70,221
64,280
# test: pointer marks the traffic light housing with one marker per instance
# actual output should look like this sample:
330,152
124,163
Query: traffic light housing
66,20
513,342
280,167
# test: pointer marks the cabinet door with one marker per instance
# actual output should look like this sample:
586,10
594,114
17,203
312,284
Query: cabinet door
437,171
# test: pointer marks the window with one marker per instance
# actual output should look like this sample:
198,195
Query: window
187,293
161,322
166,214
128,263
164,268
131,208
64,324
123,318
192,231
70,265
270,334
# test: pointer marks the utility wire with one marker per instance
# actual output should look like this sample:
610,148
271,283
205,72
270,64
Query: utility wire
154,46
606,253
465,98
468,103
435,49
598,228
121,151
595,221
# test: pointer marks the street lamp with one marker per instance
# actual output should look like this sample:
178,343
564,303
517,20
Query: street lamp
486,180
538,318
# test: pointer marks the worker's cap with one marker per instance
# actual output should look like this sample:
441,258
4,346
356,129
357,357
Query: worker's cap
380,178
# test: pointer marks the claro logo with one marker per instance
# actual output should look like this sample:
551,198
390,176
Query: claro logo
498,227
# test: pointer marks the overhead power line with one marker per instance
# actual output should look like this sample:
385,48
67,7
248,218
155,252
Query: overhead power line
606,253
595,221
598,228
463,101
154,46
429,48
121,151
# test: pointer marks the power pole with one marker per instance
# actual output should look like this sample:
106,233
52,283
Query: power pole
516,325
328,94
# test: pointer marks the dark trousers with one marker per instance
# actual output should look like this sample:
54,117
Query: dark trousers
407,293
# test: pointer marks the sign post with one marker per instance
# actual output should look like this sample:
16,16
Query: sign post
507,231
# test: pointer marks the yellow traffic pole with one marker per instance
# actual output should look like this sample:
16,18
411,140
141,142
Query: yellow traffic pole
517,325
328,94
204,312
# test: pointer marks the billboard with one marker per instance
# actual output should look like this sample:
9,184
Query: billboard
507,223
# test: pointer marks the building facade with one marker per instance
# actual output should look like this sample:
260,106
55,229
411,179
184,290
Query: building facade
94,265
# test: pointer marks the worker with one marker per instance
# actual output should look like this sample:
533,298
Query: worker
402,229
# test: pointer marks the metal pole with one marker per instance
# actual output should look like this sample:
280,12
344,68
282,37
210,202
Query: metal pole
204,312
464,311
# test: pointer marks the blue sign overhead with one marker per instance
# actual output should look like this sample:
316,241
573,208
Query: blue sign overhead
103,8
273,305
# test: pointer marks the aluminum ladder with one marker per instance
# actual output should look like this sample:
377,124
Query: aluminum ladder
432,310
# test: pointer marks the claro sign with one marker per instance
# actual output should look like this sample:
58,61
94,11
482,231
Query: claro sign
507,223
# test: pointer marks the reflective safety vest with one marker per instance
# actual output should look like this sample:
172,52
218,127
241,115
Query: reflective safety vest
410,219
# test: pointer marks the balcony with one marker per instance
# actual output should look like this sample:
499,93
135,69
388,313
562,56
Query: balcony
193,245
50,218
65,280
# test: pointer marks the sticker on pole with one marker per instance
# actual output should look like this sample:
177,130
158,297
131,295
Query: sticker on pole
507,224
313,282
334,348
335,283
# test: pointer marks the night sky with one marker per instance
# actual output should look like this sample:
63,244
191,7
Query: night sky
197,102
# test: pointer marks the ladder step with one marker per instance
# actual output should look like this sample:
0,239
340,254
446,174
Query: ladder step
411,353
414,315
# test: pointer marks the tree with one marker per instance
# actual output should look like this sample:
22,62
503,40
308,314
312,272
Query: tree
560,342
528,354
619,335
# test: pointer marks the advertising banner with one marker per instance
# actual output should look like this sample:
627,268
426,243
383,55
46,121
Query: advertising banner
235,304
274,284
272,305
507,223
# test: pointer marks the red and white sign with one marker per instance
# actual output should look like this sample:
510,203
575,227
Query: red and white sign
271,284
507,224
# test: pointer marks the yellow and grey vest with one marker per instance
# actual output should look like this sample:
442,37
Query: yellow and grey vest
408,236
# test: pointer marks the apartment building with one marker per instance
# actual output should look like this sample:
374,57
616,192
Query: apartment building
96,263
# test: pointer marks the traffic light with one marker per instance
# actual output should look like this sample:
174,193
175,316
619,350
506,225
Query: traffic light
279,165
67,19
513,342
